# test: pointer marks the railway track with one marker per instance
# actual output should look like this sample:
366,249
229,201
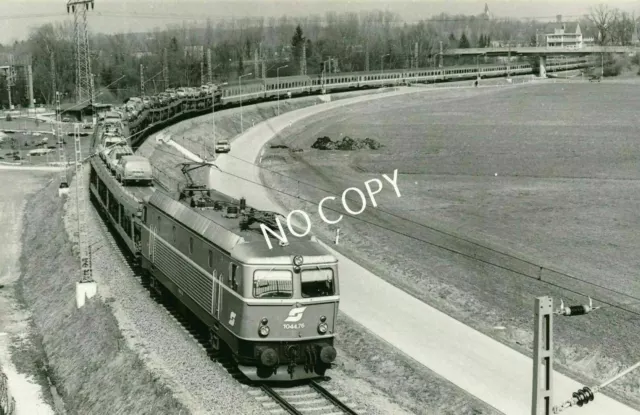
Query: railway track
306,398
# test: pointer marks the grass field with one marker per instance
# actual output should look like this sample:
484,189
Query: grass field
565,198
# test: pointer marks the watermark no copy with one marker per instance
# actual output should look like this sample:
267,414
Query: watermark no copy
369,186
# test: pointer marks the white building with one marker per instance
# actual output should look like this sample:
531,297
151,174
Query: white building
565,34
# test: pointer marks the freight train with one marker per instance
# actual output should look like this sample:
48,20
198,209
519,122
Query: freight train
252,91
274,309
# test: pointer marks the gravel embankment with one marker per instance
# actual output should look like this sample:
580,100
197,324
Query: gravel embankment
166,349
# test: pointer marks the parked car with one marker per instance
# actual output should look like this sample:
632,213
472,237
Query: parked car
223,146
134,169
115,155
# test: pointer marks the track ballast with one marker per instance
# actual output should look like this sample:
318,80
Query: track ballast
308,397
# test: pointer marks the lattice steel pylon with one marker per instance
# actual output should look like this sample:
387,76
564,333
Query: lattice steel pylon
141,80
165,69
209,69
84,90
63,189
83,59
86,288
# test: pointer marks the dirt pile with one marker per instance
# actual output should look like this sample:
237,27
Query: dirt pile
346,144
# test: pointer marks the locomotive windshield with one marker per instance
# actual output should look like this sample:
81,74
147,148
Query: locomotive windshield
317,282
273,284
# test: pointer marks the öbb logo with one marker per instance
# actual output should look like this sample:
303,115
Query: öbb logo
282,236
295,315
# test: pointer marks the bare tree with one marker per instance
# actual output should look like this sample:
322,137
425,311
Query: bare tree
622,29
603,17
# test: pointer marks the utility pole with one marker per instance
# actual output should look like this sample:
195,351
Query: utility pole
11,79
83,58
256,64
415,56
440,54
366,58
303,60
509,62
53,77
165,69
30,85
202,72
209,70
542,396
141,80
93,100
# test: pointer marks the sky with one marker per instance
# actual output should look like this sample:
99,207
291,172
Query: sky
112,16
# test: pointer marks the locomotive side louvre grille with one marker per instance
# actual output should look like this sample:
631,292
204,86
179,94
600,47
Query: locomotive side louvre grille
220,236
187,277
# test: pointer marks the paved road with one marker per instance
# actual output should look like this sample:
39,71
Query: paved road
484,367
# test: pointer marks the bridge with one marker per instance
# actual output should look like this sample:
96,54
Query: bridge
540,51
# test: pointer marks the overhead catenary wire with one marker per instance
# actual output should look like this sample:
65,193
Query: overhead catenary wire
560,273
573,291
201,17
607,304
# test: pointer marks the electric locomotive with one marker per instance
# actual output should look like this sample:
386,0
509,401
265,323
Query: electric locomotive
274,308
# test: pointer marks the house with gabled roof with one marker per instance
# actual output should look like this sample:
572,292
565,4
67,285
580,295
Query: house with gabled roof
565,34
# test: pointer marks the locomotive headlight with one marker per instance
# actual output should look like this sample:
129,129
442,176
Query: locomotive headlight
263,331
297,260
322,328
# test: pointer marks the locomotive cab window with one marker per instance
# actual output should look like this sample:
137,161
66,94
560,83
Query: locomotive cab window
233,276
317,282
273,284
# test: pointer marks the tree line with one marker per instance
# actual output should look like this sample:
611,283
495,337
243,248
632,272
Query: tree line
337,42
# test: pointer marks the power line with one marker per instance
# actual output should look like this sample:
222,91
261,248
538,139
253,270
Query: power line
200,17
458,252
607,303
563,274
